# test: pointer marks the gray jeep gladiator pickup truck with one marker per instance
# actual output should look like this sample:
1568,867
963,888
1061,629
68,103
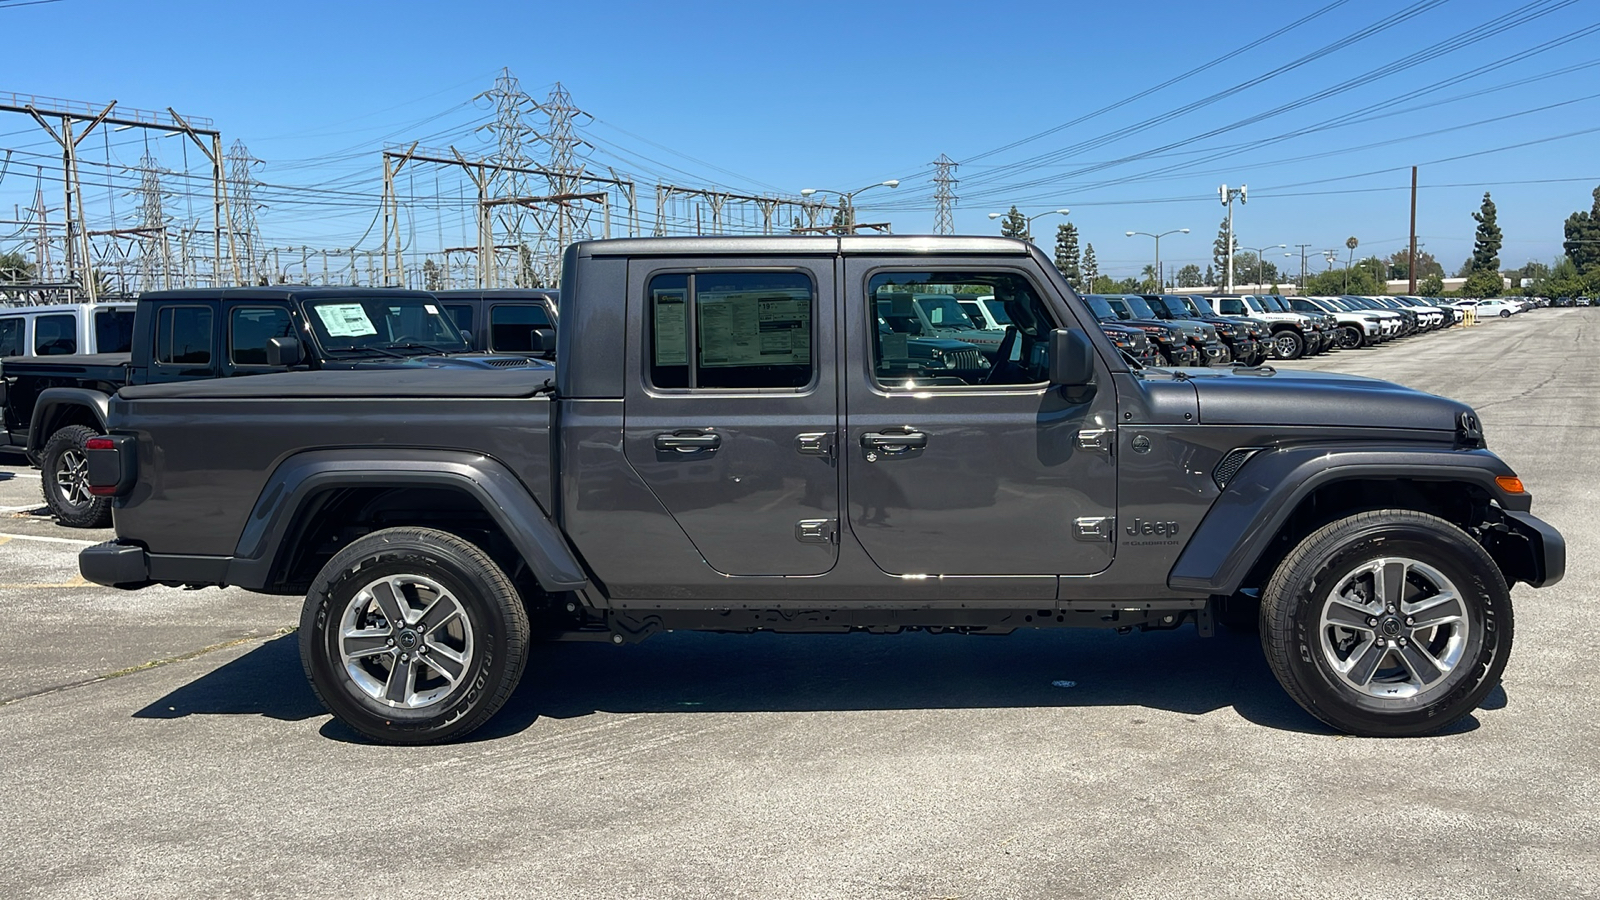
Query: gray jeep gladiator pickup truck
725,444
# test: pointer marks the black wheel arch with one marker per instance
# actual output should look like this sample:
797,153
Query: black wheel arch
317,502
56,408
1281,496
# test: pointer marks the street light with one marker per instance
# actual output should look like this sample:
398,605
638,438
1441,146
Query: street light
1028,228
847,207
1160,278
1261,259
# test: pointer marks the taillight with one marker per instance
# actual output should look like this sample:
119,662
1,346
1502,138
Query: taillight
113,464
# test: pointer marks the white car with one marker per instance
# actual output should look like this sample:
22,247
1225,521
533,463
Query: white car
1502,308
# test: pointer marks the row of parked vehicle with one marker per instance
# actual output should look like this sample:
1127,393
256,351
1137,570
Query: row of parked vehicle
1200,330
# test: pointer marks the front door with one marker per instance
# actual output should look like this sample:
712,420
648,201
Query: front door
952,469
733,417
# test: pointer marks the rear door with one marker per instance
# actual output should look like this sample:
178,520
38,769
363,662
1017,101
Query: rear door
975,473
731,407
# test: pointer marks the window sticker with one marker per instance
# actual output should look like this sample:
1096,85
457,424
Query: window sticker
755,328
432,310
672,335
346,320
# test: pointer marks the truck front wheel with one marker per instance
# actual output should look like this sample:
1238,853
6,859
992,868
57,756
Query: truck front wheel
1288,344
1387,623
65,478
413,636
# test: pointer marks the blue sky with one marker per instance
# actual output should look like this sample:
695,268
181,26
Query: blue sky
768,98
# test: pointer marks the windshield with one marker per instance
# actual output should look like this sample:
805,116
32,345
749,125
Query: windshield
1119,307
1198,306
1273,303
1140,308
348,324
997,310
945,312
1100,308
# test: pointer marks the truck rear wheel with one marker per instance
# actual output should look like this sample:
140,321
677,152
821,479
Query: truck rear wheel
65,480
1387,623
413,636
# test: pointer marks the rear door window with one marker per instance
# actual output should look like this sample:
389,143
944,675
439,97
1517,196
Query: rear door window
113,330
55,335
249,329
183,336
746,329
511,326
13,338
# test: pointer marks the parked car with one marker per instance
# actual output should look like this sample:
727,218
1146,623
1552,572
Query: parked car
936,316
1356,329
1254,330
66,329
1225,334
1171,340
1501,308
1293,334
716,453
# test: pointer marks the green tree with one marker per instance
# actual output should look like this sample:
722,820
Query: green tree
1432,286
14,267
1189,276
1247,267
1104,284
1483,283
1211,276
1362,281
1486,245
1091,269
432,278
1015,225
1067,256
1220,251
1399,265
1583,238
1149,283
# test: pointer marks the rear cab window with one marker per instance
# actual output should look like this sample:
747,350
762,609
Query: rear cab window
511,326
113,330
184,336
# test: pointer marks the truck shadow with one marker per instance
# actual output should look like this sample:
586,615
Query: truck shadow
689,673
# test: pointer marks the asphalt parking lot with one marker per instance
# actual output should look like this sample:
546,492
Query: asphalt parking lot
164,743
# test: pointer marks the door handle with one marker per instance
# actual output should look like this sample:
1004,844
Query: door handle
688,441
894,442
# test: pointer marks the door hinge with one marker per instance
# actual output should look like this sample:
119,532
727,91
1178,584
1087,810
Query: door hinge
816,531
815,443
1094,528
1095,439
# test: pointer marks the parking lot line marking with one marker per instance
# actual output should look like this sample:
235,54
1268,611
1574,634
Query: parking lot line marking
33,475
30,506
77,582
49,540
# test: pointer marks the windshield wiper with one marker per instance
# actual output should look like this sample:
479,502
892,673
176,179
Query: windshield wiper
367,348
418,345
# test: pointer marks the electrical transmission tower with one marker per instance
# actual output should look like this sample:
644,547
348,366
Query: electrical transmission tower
944,196
155,270
242,208
511,162
560,135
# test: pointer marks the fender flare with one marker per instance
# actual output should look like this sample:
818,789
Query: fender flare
47,410
486,480
1258,501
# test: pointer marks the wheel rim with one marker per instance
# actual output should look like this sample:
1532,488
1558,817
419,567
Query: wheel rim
405,641
1394,628
72,477
1285,345
1352,339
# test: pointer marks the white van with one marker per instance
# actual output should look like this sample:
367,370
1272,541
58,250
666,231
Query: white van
63,329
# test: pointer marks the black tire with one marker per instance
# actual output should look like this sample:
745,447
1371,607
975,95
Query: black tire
1505,313
1304,626
64,480
1163,358
1351,337
483,636
1288,344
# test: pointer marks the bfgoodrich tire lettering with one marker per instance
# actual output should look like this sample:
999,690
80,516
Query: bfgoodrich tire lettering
412,636
1387,623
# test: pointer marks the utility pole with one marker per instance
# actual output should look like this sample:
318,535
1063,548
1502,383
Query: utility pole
944,197
1227,200
1302,249
1411,263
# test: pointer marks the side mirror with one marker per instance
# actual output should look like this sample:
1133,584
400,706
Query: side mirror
284,351
1071,358
542,341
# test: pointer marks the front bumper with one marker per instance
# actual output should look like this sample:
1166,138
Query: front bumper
1533,551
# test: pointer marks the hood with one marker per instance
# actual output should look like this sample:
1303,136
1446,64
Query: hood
1238,397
